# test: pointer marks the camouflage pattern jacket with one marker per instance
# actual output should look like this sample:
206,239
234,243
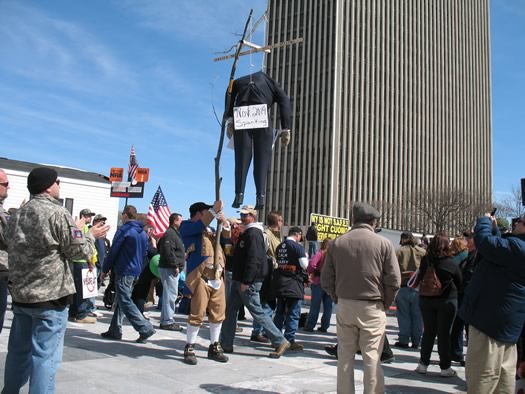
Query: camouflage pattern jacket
4,217
41,238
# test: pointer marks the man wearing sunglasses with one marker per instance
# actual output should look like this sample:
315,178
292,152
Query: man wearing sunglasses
494,307
42,238
4,271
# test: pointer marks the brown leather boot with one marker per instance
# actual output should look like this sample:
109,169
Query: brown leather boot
279,350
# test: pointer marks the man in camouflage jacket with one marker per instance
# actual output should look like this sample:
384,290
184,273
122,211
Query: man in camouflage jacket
41,237
4,270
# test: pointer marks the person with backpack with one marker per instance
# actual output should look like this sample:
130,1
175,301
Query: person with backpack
439,279
311,237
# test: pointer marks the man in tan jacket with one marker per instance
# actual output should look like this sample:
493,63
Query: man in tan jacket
361,274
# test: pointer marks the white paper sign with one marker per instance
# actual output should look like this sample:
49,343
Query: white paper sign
250,117
89,283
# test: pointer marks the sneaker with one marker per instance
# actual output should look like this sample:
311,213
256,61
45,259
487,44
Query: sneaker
259,338
279,350
296,346
87,320
238,329
171,327
447,373
215,352
108,335
320,329
96,314
189,354
401,345
308,329
143,338
421,368
331,350
226,349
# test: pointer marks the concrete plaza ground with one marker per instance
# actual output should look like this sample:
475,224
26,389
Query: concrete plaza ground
94,365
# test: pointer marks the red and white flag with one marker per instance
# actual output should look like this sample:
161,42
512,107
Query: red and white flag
159,213
133,164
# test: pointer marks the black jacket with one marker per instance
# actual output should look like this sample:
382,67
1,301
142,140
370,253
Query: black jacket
448,273
171,250
259,88
249,256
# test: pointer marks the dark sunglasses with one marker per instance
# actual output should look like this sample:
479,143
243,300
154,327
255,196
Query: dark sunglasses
57,182
4,184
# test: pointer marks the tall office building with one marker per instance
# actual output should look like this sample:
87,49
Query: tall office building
391,100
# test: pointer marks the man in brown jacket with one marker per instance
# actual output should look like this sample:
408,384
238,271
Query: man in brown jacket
361,274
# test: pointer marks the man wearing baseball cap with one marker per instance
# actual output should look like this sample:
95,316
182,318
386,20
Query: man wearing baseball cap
204,278
41,238
250,268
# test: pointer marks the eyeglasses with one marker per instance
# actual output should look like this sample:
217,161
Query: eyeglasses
57,182
4,184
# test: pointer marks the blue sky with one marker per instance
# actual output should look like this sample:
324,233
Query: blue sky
82,81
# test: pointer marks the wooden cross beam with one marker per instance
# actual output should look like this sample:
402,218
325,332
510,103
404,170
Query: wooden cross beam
257,48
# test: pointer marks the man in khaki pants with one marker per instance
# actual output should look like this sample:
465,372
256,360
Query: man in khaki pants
361,274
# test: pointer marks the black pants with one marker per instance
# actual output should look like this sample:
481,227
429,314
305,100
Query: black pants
438,315
456,336
260,142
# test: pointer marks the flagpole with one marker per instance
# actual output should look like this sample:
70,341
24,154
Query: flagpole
218,178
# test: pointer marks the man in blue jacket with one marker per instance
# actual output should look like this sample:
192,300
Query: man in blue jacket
494,307
125,258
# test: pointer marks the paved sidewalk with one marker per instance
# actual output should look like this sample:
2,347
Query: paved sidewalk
94,365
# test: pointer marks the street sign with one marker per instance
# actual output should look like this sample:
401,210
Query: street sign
116,174
127,189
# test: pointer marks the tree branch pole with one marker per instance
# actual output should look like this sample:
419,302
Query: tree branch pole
228,100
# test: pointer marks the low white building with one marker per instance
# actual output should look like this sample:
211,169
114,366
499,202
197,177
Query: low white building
78,190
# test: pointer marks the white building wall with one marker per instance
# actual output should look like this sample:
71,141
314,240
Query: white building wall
85,194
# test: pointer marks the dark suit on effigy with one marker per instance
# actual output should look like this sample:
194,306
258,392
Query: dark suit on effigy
253,89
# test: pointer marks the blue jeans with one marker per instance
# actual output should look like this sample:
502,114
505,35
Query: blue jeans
170,287
409,317
287,314
312,248
319,296
250,298
125,306
3,300
35,349
257,328
81,306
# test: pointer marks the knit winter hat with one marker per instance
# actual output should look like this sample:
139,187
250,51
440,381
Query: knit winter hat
40,178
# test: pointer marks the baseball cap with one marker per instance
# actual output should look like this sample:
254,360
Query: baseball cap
233,220
198,206
86,212
99,217
248,210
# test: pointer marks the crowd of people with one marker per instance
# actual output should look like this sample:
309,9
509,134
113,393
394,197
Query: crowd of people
472,287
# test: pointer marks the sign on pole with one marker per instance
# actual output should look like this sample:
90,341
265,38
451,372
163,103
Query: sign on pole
142,175
329,226
116,174
127,189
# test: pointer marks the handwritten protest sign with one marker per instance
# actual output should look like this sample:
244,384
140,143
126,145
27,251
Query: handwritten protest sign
250,117
89,283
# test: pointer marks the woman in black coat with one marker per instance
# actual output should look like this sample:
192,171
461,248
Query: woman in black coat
439,311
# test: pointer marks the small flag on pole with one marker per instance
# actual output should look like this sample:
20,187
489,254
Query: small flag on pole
133,164
159,213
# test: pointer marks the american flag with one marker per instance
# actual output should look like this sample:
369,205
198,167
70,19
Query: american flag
159,213
133,164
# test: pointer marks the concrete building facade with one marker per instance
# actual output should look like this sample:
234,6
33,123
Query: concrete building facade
391,99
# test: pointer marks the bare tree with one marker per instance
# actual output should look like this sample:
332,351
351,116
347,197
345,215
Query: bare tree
449,210
511,205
